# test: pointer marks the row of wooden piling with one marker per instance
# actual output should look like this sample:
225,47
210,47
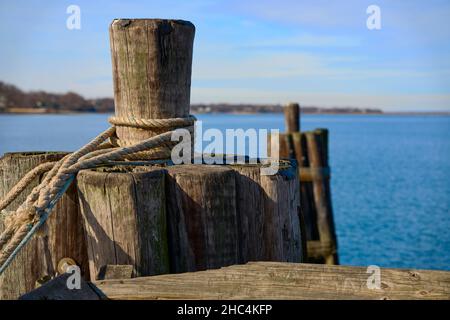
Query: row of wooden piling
180,218
158,220
310,150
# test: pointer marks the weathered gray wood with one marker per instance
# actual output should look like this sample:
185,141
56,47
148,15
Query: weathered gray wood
251,216
112,271
125,219
151,70
64,236
201,210
271,280
268,211
57,289
152,61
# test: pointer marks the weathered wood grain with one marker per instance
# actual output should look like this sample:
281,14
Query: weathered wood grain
116,271
272,280
64,236
151,61
125,219
202,217
268,213
250,213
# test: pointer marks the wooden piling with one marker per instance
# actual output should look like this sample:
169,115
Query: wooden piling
125,211
204,205
268,208
151,61
216,216
310,149
64,237
292,117
202,217
125,219
316,142
224,215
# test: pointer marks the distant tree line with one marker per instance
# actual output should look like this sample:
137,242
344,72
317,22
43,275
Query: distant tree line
12,99
272,108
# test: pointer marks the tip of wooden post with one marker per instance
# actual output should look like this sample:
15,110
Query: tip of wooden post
293,105
126,22
292,114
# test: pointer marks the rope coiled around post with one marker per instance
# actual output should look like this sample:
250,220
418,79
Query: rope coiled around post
155,125
152,123
33,212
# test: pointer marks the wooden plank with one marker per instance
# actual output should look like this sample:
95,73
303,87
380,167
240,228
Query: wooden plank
273,280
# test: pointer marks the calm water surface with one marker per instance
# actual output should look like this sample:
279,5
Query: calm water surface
390,176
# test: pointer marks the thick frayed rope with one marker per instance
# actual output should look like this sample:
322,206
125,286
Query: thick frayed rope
24,182
20,225
152,123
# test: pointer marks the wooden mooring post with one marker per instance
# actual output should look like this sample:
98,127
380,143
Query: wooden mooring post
63,238
162,219
310,149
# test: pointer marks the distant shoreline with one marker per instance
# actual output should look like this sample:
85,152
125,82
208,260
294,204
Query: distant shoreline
36,111
15,101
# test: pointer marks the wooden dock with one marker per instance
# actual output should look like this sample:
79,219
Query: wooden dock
265,280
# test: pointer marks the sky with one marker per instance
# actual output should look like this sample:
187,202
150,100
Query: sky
313,52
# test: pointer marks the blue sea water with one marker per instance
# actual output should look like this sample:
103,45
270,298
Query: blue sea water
390,176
